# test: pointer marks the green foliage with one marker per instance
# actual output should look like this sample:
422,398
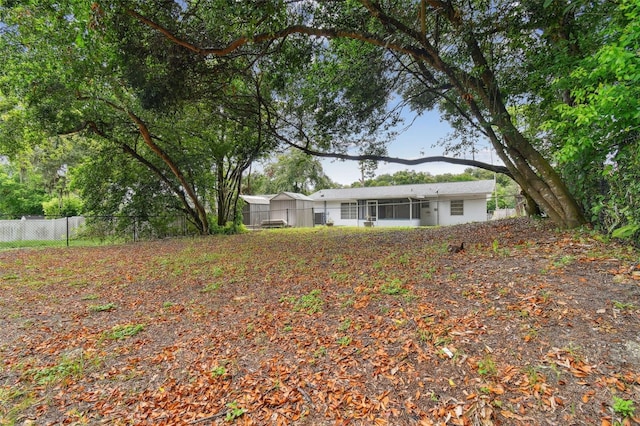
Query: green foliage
19,195
103,308
65,207
393,287
294,171
487,366
600,156
234,411
68,367
623,407
310,303
344,341
218,371
120,332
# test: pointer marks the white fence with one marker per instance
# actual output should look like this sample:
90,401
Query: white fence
40,229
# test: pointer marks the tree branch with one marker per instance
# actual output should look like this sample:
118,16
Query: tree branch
408,162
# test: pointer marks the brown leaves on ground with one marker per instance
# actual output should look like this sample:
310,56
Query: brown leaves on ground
324,326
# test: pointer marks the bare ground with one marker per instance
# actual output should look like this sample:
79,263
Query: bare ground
526,326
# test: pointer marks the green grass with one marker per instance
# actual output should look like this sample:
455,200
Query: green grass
393,288
67,367
120,332
102,308
310,303
9,245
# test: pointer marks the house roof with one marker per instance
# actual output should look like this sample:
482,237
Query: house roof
291,195
424,190
256,199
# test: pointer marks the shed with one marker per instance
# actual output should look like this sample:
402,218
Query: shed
255,209
295,209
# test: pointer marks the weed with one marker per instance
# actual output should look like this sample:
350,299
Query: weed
344,341
495,246
430,273
90,297
442,340
340,276
68,367
9,277
218,371
564,261
533,375
344,325
234,411
287,328
102,308
120,332
424,335
393,287
531,334
545,295
349,302
210,288
339,260
18,400
404,259
320,352
487,367
310,303
573,350
622,306
167,305
623,407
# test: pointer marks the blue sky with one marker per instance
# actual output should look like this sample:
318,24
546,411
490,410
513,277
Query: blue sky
420,137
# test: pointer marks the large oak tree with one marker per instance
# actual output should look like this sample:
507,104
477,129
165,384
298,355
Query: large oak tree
469,58
192,125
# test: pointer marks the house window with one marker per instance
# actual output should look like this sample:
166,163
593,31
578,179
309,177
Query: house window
348,211
457,207
393,209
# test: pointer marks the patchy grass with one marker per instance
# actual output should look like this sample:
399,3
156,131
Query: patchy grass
325,325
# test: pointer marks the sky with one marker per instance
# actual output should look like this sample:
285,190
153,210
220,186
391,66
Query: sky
419,138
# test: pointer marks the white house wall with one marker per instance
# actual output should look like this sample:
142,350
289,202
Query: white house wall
475,210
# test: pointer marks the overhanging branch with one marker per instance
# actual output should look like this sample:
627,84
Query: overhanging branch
405,161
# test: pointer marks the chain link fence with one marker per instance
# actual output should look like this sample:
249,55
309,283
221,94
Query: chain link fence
83,230
86,230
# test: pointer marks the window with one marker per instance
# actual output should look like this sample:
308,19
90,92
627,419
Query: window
348,211
457,207
393,209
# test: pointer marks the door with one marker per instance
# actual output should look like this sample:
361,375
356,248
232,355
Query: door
427,216
372,210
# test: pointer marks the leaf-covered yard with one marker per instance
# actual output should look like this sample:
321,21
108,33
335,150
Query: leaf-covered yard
325,326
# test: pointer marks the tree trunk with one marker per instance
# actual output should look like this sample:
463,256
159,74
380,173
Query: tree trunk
474,82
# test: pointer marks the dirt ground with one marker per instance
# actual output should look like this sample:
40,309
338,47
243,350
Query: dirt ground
327,326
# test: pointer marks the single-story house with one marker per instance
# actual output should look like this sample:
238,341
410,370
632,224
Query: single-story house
431,204
285,208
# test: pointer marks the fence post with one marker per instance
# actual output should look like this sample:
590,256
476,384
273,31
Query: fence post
67,217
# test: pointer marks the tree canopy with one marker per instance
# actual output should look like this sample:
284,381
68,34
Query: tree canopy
466,58
194,91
